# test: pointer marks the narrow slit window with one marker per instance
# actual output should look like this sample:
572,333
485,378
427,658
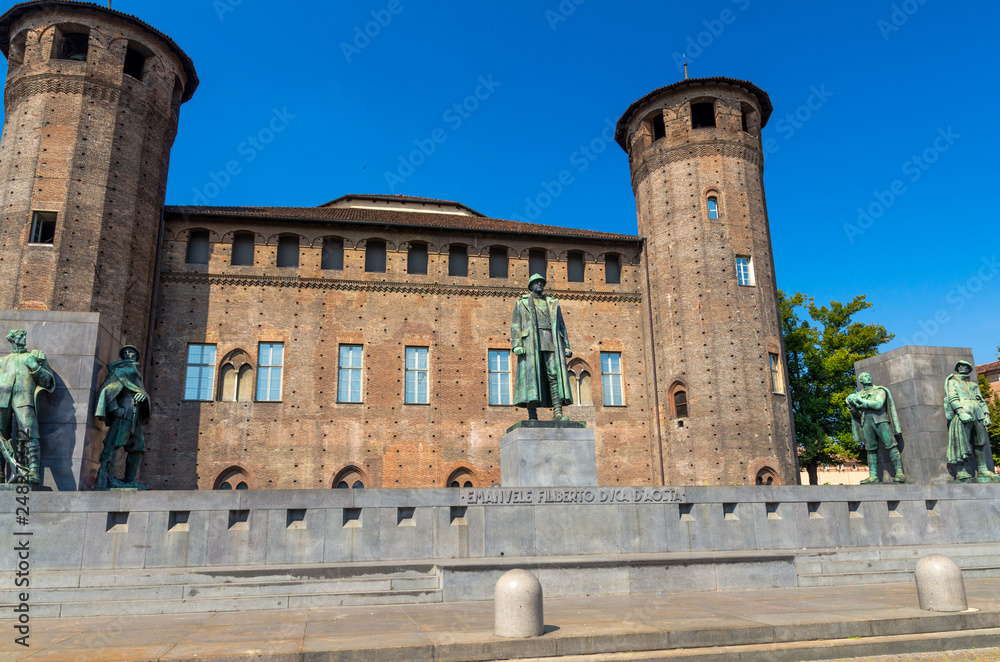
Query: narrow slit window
680,404
333,254
43,227
713,207
416,259
702,115
375,256
458,260
777,381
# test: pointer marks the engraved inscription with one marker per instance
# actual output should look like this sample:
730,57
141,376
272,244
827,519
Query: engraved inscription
501,496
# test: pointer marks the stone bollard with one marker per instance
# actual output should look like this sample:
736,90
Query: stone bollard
517,605
939,584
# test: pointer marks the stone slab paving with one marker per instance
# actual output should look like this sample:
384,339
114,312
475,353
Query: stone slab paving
587,626
984,655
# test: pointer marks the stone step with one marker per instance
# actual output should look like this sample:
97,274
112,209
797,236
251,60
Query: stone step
43,609
885,576
886,553
832,567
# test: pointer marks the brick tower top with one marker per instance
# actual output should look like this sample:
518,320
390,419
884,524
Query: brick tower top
92,101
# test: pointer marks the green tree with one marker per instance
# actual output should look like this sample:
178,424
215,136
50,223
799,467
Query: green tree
821,353
993,401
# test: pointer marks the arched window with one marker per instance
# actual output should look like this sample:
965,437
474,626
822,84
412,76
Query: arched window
243,249
462,477
349,478
15,58
375,256
657,128
767,476
288,251
71,42
498,261
537,264
416,258
135,60
574,389
713,206
227,383
244,383
702,114
458,260
678,402
232,479
197,248
586,396
574,267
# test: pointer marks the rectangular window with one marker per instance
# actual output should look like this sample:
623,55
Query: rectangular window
611,379
612,269
777,382
135,63
458,260
199,379
744,270
537,264
375,256
498,262
43,227
270,359
416,376
499,360
416,259
349,382
575,267
333,254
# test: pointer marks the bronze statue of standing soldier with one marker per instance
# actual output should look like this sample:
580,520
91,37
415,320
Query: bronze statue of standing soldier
874,422
968,417
123,405
23,374
538,339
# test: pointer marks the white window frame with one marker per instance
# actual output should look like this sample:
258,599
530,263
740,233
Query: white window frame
499,383
416,372
202,372
269,372
612,383
353,372
710,200
744,271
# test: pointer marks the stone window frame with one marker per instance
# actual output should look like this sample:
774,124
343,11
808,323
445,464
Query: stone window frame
234,476
238,363
610,380
205,368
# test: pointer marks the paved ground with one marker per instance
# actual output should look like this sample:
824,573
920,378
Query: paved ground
783,614
985,655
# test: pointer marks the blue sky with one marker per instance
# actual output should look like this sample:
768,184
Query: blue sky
904,125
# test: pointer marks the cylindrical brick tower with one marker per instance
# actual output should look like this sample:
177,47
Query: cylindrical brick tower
697,163
91,100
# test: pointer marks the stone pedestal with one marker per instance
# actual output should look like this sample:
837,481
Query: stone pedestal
915,375
548,454
77,346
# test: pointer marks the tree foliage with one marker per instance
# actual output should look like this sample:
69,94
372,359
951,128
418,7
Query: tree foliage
821,352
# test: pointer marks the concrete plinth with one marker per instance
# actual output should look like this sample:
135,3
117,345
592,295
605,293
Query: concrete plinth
77,346
548,456
915,375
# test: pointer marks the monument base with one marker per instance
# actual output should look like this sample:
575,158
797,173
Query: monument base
548,454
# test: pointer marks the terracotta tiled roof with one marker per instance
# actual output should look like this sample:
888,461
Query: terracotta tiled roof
11,14
988,367
762,98
395,217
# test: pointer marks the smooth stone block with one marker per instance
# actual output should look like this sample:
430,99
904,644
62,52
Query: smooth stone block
940,586
517,605
548,457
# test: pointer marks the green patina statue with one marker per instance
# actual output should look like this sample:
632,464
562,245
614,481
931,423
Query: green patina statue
23,375
968,417
123,405
874,420
538,338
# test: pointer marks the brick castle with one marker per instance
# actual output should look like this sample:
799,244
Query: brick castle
364,342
